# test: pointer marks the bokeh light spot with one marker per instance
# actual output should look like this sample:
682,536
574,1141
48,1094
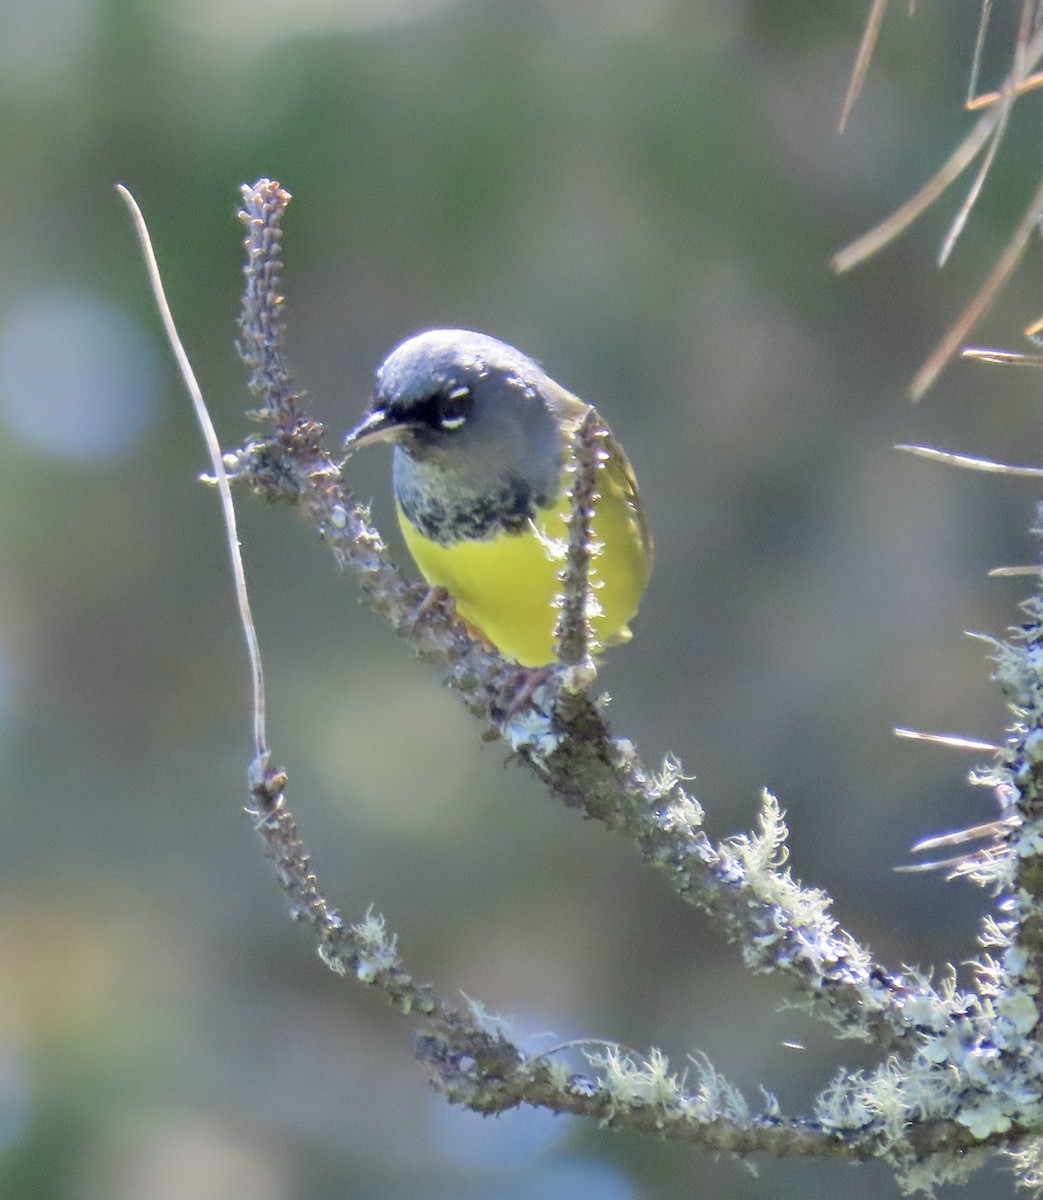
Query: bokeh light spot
42,41
514,1138
78,378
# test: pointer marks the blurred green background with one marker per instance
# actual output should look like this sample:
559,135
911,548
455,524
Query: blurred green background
642,194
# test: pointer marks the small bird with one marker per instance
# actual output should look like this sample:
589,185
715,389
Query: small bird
482,437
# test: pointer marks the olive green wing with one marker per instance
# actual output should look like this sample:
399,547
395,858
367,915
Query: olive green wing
619,473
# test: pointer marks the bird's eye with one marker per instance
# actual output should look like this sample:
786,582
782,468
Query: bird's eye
454,408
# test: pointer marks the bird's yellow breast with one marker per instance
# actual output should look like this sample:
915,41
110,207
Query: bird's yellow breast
507,586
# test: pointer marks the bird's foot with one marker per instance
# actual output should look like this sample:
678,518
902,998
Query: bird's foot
437,597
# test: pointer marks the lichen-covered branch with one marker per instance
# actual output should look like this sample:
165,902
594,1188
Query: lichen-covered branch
470,1057
960,1073
562,735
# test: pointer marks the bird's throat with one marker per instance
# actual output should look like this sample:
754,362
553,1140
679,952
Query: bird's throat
447,508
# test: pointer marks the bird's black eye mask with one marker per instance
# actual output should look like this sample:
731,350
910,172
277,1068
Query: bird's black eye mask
443,411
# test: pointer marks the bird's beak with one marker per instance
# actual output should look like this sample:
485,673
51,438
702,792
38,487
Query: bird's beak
375,426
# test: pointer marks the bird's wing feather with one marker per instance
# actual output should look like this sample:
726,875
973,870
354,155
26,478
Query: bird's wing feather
620,474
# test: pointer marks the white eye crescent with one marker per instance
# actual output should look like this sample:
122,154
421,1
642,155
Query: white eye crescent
456,408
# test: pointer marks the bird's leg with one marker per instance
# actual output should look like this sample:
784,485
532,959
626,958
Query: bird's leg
435,597
441,597
520,690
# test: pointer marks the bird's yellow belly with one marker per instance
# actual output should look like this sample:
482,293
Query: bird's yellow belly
508,586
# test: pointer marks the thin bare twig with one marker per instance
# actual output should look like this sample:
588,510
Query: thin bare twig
957,741
988,131
969,463
213,446
979,305
1030,13
1013,357
904,216
979,47
1029,84
958,223
876,238
1009,93
865,53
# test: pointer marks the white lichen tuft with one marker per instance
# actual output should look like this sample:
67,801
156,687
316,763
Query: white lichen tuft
560,1075
716,1097
1019,669
377,949
995,932
765,852
1032,744
333,960
668,777
841,1106
888,1099
1027,1164
634,1082
926,1175
683,815
489,1023
772,1108
802,912
991,867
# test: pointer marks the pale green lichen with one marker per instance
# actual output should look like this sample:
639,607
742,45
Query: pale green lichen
984,1118
489,1023
559,1074
1027,1164
1019,1007
990,974
802,911
682,813
928,1174
842,1104
995,932
333,959
631,1081
668,777
715,1095
764,852
888,1099
1032,745
772,1109
377,949
1029,842
932,1006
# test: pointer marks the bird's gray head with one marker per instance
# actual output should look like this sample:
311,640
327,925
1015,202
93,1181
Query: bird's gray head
477,433
465,401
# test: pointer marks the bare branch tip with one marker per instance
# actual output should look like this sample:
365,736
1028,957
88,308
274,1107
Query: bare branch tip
865,53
